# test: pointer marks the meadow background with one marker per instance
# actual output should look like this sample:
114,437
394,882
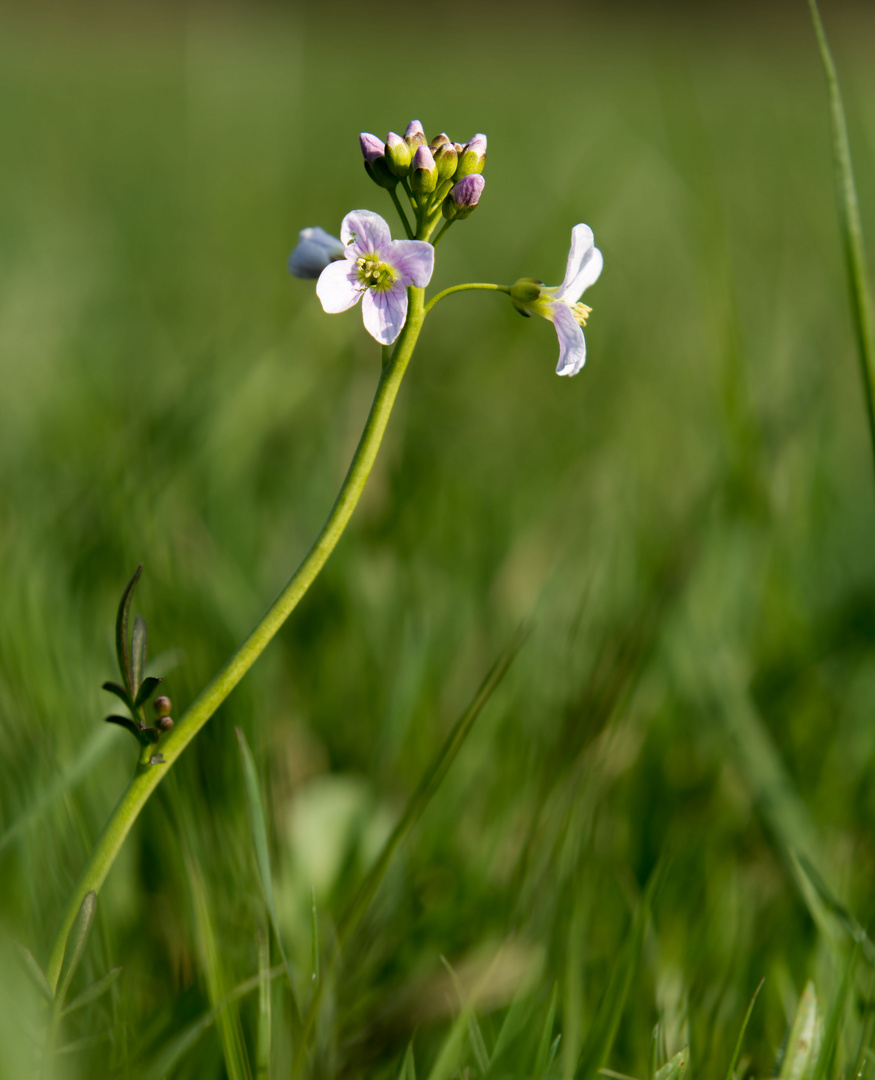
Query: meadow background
686,528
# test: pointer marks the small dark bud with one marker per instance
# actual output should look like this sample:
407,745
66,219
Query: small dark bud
163,705
164,723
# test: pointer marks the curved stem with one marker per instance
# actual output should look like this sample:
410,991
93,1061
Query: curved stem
464,288
147,777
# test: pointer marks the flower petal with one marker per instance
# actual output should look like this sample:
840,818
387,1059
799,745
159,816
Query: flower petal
412,259
584,265
385,313
337,287
572,345
315,249
367,229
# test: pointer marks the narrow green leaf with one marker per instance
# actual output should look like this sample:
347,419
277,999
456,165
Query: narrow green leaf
263,1036
138,654
119,691
85,1043
805,1039
675,1068
174,1051
426,789
147,688
837,1006
121,632
408,1066
607,1021
314,932
75,946
653,1063
730,1072
258,829
546,1040
94,991
844,915
125,722
34,971
851,226
478,1045
228,1019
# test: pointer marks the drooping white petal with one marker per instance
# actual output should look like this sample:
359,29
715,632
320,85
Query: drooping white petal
572,344
412,259
584,265
337,287
385,313
366,229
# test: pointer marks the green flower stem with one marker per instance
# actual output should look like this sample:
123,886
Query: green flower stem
851,227
401,214
148,777
464,288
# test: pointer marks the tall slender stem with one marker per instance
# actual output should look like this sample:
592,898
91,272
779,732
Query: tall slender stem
147,777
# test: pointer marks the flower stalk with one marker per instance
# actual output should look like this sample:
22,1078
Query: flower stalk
148,777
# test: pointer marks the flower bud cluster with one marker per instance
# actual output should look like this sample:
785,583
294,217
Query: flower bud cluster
438,170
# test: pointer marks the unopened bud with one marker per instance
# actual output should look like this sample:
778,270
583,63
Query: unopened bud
372,147
415,135
463,198
446,159
162,705
164,723
398,154
379,172
424,174
472,158
439,140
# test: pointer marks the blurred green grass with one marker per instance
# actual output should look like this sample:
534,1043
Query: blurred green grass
688,523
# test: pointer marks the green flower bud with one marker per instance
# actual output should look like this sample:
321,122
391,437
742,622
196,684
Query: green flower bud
439,140
424,174
446,159
472,158
414,135
398,155
378,171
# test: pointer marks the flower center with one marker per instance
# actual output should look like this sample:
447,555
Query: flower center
581,313
374,274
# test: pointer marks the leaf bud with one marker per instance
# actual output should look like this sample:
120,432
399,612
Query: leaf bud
463,198
164,723
398,154
472,158
424,174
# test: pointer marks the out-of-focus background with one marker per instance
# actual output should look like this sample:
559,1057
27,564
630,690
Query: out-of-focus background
688,526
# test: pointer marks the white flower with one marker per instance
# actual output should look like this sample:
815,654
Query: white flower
560,303
376,270
316,248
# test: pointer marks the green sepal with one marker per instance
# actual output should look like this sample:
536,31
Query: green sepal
147,688
138,653
121,631
125,722
119,691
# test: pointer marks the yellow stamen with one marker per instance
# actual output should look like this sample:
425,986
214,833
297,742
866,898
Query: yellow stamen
581,313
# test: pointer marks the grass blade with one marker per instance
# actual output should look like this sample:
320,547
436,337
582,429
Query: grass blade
258,828
607,1021
94,991
851,227
805,1039
263,1039
730,1072
542,1058
34,971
